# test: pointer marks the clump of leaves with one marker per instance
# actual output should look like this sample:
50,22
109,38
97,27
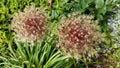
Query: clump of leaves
6,38
43,55
114,23
3,46
101,8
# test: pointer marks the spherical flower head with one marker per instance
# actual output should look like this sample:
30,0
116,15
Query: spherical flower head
30,25
79,36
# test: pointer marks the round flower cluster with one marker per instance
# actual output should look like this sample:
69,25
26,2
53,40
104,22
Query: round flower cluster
79,36
30,25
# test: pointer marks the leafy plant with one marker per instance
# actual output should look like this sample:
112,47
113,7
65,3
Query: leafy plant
42,55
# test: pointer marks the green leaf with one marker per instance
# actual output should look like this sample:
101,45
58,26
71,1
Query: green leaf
54,14
102,10
2,17
84,4
100,17
99,3
108,2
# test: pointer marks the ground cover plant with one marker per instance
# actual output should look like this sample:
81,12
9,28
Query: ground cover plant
59,33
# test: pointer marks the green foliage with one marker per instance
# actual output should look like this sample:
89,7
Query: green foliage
5,37
42,55
102,7
115,24
3,47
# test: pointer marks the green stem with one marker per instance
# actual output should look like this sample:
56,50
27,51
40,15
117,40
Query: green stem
74,62
10,48
84,62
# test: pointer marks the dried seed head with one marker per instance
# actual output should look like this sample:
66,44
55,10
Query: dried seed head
30,25
78,36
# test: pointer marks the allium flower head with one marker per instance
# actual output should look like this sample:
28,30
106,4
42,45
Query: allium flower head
30,25
79,36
